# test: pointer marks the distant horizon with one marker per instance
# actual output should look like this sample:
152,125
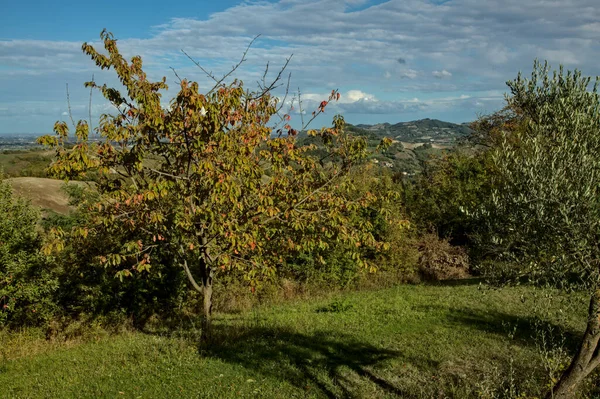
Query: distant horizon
35,134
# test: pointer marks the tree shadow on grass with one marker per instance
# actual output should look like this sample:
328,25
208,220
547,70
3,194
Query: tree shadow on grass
460,282
333,365
525,330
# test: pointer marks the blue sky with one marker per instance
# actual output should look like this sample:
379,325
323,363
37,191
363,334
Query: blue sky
392,61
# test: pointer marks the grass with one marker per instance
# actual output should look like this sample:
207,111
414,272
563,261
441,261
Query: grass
409,341
25,163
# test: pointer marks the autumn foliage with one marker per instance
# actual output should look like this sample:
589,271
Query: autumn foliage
211,178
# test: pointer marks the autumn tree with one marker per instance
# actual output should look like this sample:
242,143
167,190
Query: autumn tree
543,215
217,178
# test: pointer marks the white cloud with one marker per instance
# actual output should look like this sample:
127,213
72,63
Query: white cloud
441,74
383,48
409,74
356,95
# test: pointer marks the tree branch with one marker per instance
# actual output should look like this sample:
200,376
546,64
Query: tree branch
189,273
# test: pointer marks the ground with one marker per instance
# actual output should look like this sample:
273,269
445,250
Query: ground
411,341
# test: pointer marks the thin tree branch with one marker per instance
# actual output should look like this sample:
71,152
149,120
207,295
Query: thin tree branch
69,107
189,273
168,174
233,69
300,107
176,75
90,104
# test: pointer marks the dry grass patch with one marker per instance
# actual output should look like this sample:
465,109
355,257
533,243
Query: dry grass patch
42,192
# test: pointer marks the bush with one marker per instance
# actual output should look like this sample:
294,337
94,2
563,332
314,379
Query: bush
28,282
385,219
439,260
91,290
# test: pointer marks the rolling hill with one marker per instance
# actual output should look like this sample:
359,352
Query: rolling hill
419,131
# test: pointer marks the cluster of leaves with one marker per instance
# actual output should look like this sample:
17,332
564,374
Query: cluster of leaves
336,264
88,288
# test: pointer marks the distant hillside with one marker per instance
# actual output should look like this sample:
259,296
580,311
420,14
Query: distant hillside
47,194
414,143
420,131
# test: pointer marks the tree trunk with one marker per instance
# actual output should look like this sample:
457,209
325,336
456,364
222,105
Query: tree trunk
586,359
207,291
205,288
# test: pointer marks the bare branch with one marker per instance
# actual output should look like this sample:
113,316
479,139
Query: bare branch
265,89
90,104
69,107
168,174
233,69
264,77
209,74
320,110
300,107
287,90
175,72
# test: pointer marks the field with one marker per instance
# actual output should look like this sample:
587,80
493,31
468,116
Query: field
31,162
409,342
44,193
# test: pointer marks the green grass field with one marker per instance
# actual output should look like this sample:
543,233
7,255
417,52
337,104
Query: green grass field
25,163
409,342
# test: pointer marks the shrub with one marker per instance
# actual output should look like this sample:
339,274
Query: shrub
28,282
334,264
439,260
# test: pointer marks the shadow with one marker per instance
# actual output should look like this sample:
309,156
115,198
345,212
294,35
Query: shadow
523,329
457,282
330,365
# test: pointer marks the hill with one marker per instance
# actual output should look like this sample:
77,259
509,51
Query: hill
25,162
419,131
47,194
414,142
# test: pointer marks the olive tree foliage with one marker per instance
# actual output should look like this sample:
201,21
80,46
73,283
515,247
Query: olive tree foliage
543,214
216,178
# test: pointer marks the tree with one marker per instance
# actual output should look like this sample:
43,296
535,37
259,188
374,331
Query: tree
208,179
437,199
544,211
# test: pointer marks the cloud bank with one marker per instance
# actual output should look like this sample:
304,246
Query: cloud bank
396,50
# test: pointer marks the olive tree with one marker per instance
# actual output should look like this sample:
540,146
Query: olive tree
543,215
217,178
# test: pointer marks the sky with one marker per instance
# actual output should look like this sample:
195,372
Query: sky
392,61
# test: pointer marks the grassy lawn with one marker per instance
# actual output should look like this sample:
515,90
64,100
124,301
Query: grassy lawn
409,341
